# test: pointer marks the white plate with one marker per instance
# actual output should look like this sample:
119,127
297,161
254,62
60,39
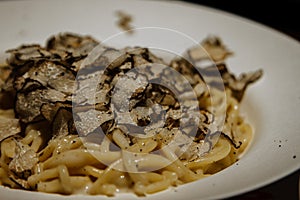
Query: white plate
272,104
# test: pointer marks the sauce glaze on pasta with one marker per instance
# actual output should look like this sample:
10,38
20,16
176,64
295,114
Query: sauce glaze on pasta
69,164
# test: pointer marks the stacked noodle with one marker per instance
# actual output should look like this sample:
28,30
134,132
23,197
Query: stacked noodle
42,150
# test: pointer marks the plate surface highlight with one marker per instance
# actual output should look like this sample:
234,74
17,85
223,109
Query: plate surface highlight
272,104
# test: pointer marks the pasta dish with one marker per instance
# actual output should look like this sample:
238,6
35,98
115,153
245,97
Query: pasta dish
126,121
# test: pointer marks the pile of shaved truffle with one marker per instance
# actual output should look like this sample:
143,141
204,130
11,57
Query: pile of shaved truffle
39,84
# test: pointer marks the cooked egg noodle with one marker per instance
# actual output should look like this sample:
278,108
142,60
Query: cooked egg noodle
68,165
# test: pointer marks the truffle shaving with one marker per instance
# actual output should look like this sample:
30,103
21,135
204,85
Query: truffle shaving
124,98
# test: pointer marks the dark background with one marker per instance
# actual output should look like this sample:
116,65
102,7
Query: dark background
283,16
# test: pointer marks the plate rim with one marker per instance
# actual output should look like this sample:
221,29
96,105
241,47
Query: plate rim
252,23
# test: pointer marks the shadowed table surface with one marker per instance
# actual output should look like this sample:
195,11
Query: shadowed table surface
280,15
283,16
